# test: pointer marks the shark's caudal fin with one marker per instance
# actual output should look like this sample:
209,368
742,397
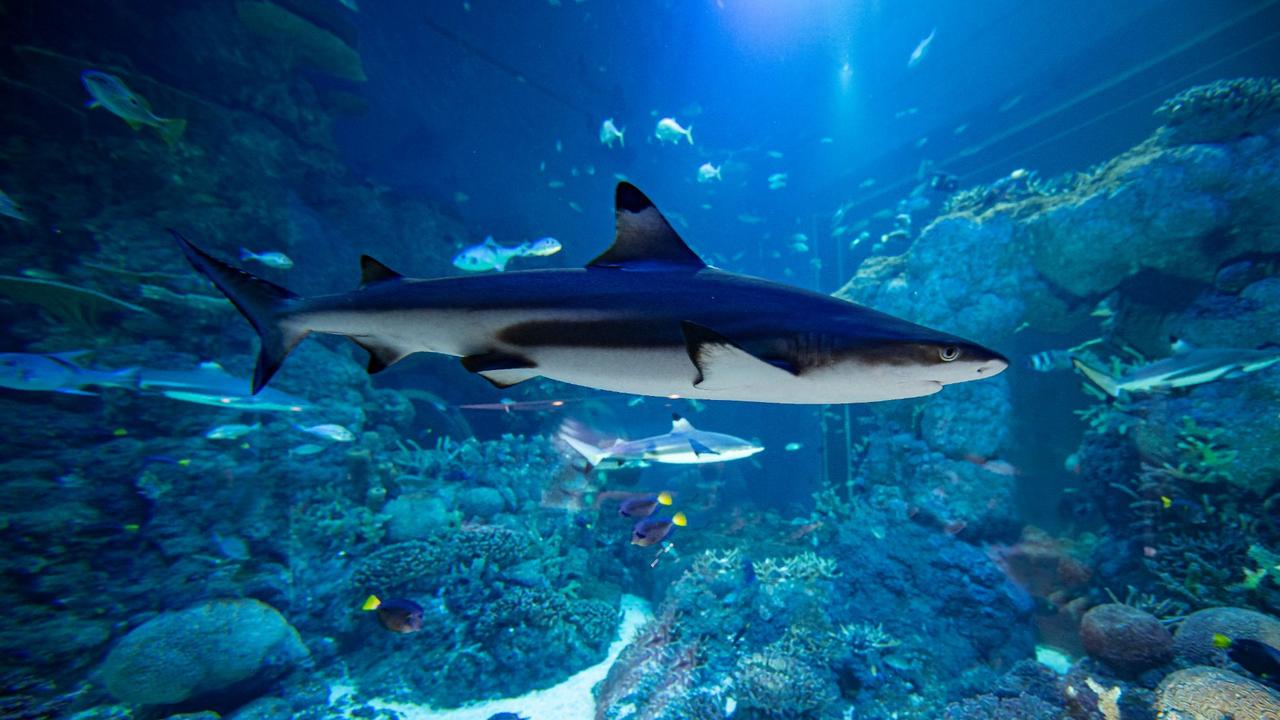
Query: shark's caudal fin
1097,377
593,454
263,304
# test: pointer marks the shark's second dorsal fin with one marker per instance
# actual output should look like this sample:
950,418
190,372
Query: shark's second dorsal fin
644,239
679,424
372,271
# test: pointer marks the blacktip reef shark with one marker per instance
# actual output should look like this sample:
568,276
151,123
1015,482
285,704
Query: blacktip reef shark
647,317
684,445
1192,366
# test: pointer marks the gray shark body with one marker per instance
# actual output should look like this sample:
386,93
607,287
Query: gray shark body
684,445
647,317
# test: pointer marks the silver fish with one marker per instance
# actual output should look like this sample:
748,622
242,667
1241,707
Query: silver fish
647,317
110,92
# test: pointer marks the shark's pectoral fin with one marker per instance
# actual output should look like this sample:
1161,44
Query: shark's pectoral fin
501,369
381,356
723,365
699,449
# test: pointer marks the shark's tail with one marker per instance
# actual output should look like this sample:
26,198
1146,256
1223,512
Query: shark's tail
1097,377
263,304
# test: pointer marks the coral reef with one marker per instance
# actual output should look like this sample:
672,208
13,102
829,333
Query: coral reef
1221,111
1193,642
1127,639
225,647
1206,693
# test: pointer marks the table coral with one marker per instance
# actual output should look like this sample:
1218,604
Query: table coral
1222,110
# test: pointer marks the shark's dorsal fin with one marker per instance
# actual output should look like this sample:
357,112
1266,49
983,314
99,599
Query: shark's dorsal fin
644,240
679,424
372,271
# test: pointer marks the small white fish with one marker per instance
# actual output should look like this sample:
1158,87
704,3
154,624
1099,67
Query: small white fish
960,128
541,247
793,446
578,208
917,55
233,431
329,431
775,154
610,132
869,182
750,219
906,113
277,260
9,208
110,92
308,449
708,172
827,140
777,181
559,146
461,197
800,247
669,129
555,184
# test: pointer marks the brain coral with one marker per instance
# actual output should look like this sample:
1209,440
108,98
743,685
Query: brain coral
1128,640
1205,693
206,648
1194,639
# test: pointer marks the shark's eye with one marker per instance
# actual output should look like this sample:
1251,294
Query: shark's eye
949,353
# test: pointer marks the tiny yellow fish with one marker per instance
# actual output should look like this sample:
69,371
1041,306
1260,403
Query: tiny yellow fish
119,432
1166,502
185,462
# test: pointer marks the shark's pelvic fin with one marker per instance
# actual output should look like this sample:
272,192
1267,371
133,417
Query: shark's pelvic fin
263,304
381,357
723,365
501,369
372,271
644,240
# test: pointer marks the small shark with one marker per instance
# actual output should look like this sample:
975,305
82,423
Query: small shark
1183,369
209,384
58,372
647,317
684,445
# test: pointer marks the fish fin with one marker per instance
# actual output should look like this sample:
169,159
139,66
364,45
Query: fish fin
381,357
664,498
593,454
679,424
699,449
688,134
1221,641
501,369
264,304
679,520
171,130
622,140
1105,382
721,365
644,240
500,260
92,103
372,271
133,124
70,391
68,358
371,603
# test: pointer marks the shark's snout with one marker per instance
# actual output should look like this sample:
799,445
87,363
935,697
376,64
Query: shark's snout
994,366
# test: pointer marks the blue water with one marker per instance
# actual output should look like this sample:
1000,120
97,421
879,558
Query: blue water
1077,198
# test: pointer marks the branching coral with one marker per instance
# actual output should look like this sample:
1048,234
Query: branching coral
864,638
1222,110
